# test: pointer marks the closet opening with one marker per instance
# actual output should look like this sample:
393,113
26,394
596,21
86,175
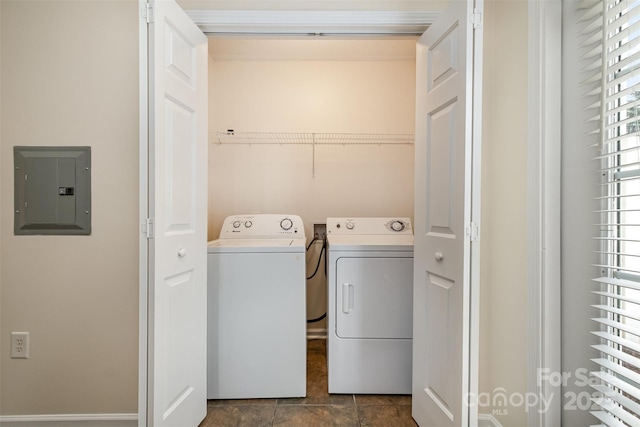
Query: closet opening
316,126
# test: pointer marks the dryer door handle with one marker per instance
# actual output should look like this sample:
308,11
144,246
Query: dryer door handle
347,297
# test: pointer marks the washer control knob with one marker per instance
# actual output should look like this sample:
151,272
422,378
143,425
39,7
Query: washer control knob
248,224
286,224
350,225
397,225
236,224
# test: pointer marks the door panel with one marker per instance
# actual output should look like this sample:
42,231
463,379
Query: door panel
177,206
443,57
442,359
442,259
181,145
440,168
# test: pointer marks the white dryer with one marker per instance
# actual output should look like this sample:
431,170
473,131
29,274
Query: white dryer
370,305
257,308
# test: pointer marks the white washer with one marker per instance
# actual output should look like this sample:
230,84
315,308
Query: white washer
257,308
370,299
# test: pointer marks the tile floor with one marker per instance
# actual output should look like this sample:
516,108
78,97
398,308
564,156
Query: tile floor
318,409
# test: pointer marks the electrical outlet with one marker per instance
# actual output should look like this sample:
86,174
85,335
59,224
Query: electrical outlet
19,345
320,231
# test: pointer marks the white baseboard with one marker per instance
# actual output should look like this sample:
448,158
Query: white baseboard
70,420
488,420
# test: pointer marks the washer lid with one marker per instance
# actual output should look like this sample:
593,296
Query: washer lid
400,242
256,245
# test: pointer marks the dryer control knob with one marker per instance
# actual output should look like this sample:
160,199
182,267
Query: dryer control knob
397,225
350,225
248,224
286,224
236,224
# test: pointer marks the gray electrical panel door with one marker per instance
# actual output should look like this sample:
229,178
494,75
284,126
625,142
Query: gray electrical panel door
52,190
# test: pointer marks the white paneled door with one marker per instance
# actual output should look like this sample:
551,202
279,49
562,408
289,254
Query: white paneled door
444,232
177,244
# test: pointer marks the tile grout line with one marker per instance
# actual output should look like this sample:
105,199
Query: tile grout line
355,408
273,414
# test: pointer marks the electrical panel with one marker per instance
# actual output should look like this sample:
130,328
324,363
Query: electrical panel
52,190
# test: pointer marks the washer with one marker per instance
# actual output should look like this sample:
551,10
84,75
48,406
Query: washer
257,308
370,298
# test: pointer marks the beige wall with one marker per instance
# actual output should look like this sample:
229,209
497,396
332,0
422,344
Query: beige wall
78,296
70,77
291,95
504,306
3,339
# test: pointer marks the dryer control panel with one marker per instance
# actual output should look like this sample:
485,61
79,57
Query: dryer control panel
369,226
262,226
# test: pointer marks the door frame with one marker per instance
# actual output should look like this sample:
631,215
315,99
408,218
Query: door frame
542,191
544,201
476,207
143,209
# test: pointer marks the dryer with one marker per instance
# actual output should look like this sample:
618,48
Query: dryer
257,308
370,305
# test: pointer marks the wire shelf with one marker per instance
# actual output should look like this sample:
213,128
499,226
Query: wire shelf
282,138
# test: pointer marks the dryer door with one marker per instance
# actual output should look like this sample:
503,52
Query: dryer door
374,297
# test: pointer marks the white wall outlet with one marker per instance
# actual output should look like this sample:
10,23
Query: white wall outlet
19,345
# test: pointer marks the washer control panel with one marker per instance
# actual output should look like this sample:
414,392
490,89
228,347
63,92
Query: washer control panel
262,226
369,225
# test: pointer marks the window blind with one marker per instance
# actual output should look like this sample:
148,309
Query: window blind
617,389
